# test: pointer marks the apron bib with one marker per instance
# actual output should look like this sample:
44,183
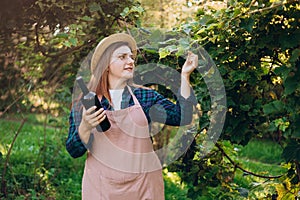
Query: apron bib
121,163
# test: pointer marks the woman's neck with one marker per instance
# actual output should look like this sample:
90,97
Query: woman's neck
116,85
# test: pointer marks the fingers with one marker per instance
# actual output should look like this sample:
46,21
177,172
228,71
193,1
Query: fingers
192,58
92,118
102,117
191,62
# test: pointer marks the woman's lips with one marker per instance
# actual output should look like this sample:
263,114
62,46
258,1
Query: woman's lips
128,68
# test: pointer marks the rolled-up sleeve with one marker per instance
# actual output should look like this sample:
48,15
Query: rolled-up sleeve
74,145
173,114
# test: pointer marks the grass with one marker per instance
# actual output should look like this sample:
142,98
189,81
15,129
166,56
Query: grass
40,168
262,151
261,156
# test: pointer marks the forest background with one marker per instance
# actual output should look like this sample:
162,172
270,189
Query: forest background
255,45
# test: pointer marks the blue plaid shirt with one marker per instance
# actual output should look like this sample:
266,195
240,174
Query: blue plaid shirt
176,114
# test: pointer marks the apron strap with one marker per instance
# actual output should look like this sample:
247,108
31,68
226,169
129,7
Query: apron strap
136,102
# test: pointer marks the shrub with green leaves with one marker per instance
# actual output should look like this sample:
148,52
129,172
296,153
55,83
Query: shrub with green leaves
255,46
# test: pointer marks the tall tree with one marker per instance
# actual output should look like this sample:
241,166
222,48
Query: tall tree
43,41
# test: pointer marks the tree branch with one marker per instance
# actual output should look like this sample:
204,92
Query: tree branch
274,5
298,169
239,167
65,52
10,105
3,182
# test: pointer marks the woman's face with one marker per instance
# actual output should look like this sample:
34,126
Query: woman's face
121,64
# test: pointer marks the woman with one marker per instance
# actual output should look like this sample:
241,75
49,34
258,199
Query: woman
121,163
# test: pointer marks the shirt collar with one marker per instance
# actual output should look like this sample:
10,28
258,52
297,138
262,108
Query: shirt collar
125,99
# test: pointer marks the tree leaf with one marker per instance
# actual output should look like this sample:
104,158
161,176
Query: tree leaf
290,85
94,7
273,107
247,24
170,41
282,71
163,52
67,43
73,41
295,55
87,18
292,151
205,20
245,107
288,40
62,35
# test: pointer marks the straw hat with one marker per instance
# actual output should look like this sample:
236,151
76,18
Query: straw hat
106,42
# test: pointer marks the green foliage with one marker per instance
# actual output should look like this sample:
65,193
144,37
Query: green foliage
261,79
40,43
42,46
255,45
39,166
269,153
174,190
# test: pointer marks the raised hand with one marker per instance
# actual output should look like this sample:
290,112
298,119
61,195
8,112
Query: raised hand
190,64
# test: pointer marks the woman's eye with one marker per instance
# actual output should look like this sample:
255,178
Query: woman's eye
122,57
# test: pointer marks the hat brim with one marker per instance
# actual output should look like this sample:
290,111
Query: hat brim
106,42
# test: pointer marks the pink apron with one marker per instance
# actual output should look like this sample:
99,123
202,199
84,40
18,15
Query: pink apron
121,163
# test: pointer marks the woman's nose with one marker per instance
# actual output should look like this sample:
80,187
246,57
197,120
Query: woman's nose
130,60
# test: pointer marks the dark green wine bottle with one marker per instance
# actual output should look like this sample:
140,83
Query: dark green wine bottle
90,99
